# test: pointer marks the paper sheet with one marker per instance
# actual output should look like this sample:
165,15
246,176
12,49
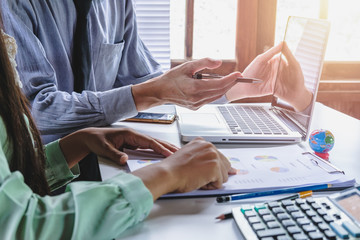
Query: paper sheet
261,169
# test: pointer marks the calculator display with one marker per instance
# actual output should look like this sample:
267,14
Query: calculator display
351,204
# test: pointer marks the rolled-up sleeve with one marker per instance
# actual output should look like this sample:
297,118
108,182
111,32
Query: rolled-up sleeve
57,171
87,210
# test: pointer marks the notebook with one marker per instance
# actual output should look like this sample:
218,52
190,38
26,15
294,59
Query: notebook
264,123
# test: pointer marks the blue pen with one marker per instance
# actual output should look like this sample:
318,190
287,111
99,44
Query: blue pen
272,192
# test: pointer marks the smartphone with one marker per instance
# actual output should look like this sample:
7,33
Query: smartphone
153,117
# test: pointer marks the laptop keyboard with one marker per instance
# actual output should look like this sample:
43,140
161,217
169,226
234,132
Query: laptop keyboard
295,219
250,120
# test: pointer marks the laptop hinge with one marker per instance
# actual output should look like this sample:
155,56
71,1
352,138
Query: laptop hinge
290,121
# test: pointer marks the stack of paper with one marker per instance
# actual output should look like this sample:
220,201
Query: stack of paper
260,169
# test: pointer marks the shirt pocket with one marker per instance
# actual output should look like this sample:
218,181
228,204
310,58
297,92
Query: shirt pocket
107,65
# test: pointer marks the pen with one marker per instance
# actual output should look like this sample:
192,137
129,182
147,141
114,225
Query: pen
304,194
212,76
272,192
292,197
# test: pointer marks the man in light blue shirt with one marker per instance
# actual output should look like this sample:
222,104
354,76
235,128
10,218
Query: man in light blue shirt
121,65
117,87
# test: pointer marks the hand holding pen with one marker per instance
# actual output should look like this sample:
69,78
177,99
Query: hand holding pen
214,76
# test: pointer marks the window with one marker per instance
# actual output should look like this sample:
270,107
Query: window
153,18
238,30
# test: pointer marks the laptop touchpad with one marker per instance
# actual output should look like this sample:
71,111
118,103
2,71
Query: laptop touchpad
201,119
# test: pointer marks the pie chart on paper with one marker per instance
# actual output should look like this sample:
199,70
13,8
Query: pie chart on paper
279,169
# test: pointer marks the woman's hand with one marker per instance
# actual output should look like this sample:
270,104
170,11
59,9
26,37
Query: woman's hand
196,165
108,143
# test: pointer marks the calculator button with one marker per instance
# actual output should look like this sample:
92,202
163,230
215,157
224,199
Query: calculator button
267,238
258,207
316,235
250,213
330,234
272,205
271,232
283,216
339,230
254,220
273,224
288,223
245,208
309,228
352,229
269,218
310,200
328,218
323,226
337,216
300,236
321,212
287,203
293,230
315,206
310,213
292,209
258,226
263,212
317,220
303,221
278,210
297,215
299,201
304,207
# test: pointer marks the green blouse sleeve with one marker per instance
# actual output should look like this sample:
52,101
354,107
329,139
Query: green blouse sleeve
57,171
87,210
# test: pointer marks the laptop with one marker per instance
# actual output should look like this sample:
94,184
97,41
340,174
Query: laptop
278,122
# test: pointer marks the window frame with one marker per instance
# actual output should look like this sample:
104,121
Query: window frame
255,24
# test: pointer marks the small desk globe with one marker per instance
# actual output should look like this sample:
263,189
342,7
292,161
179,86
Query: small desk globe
322,141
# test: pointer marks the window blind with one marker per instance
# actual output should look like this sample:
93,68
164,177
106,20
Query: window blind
153,18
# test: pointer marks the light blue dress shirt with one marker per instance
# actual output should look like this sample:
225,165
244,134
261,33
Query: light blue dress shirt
44,31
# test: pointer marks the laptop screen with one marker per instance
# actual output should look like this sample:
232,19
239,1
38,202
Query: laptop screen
300,68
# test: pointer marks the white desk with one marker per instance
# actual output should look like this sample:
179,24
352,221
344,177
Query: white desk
195,218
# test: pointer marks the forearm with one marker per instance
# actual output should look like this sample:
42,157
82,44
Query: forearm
157,179
74,148
147,94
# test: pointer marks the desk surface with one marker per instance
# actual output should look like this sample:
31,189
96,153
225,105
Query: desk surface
195,218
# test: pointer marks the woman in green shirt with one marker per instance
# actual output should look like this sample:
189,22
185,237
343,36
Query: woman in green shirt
87,210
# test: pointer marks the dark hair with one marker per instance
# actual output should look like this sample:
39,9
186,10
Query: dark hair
24,138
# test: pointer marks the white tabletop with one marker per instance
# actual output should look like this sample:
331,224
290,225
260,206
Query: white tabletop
194,218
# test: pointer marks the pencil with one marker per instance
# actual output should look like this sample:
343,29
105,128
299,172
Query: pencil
272,192
224,216
213,76
304,194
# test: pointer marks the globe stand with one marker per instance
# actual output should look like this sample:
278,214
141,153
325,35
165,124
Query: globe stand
323,155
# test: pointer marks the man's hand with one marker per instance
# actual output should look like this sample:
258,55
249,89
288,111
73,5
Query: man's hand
178,87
